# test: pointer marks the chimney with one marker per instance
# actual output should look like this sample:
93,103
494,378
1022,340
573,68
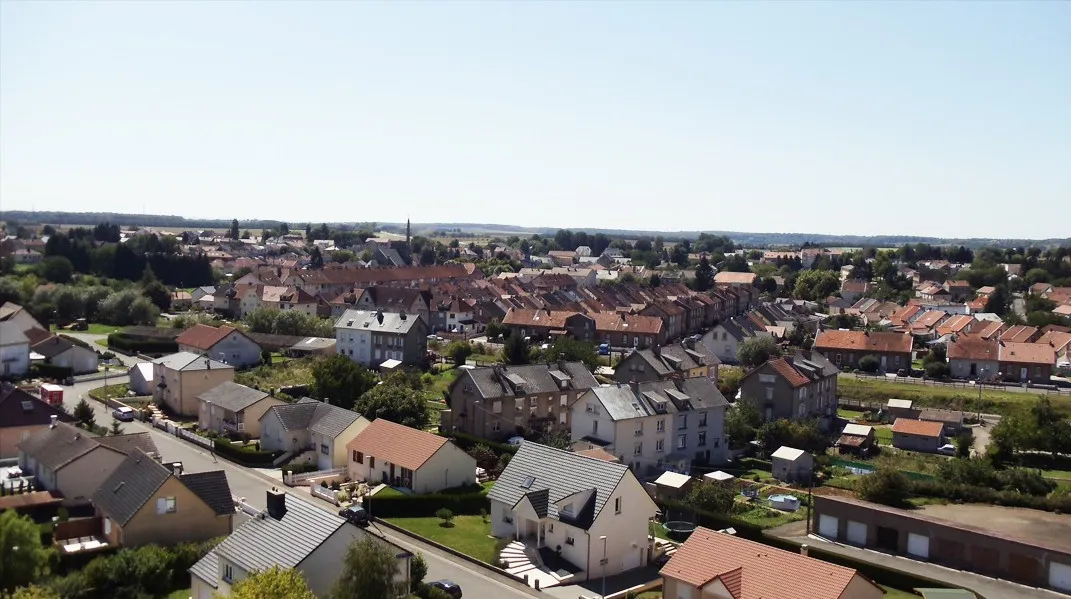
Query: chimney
52,421
656,350
208,364
276,503
804,550
635,387
176,468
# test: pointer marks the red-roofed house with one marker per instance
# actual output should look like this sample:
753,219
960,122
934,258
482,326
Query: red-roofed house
224,344
547,323
1027,362
406,457
846,348
719,565
918,435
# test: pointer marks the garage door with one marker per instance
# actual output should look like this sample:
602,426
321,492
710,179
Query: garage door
856,533
1060,576
827,526
918,545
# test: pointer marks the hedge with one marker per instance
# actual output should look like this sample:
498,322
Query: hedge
757,464
245,457
124,342
52,371
973,494
424,506
466,442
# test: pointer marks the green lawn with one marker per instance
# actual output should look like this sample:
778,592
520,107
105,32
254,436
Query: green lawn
180,594
469,534
293,372
849,414
883,434
278,358
113,391
1000,402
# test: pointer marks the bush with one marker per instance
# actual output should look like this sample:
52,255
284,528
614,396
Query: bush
51,371
869,363
426,506
446,515
886,486
466,442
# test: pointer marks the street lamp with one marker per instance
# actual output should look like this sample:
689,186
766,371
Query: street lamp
603,563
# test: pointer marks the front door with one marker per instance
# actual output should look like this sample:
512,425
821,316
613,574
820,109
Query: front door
542,534
1023,374
884,362
392,472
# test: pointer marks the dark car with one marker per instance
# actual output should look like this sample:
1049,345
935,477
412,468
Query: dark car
448,586
355,514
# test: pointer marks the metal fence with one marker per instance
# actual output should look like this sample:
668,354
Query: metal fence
971,385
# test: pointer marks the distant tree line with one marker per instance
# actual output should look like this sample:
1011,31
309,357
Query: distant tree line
97,252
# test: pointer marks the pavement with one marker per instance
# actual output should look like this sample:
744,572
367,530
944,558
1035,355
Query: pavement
252,485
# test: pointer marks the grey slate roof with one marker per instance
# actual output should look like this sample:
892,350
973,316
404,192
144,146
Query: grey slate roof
261,543
55,447
212,488
232,396
132,484
11,334
814,365
561,474
184,361
207,569
502,381
622,401
316,416
391,322
126,444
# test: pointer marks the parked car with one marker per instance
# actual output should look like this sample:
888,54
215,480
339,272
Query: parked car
123,414
355,514
947,449
448,586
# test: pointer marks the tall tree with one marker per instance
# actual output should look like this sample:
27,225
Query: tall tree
235,229
339,381
274,583
369,569
22,557
284,229
515,350
704,275
395,402
816,285
754,351
83,413
316,258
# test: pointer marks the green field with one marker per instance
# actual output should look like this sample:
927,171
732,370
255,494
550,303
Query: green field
993,401
93,328
469,534
293,372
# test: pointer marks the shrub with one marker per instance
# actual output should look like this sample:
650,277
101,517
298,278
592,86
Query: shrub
245,455
869,363
466,442
51,371
446,515
132,345
886,486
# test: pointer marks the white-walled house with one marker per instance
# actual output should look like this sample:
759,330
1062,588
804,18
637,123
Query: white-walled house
406,457
225,344
308,425
655,426
726,336
290,533
14,350
67,352
567,502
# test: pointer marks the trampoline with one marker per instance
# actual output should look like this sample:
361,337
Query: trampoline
679,530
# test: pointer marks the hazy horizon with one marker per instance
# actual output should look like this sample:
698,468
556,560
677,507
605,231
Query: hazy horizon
918,119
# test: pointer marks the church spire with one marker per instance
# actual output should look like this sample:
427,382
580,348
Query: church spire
407,230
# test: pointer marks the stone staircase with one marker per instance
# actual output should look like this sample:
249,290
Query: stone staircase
523,561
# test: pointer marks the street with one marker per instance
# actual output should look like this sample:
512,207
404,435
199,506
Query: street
253,484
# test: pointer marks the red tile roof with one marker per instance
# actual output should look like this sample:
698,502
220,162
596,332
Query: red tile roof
397,444
537,318
921,428
598,454
1027,353
1056,339
735,278
1020,333
971,347
788,372
863,341
751,570
991,328
203,337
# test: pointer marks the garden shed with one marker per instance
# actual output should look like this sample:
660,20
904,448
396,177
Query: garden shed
792,465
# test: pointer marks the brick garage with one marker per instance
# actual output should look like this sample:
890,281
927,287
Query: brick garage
943,542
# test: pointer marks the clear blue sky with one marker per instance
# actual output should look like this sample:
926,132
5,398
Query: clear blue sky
937,118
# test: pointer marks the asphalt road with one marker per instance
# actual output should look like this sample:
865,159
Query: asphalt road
253,484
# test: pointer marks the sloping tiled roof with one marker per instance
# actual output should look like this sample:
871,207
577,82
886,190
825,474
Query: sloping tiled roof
261,543
508,381
562,474
232,396
129,443
971,347
212,488
295,416
397,444
922,428
132,484
752,570
18,408
598,454
186,361
1019,333
863,341
1027,353
538,318
57,446
330,421
735,278
204,337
